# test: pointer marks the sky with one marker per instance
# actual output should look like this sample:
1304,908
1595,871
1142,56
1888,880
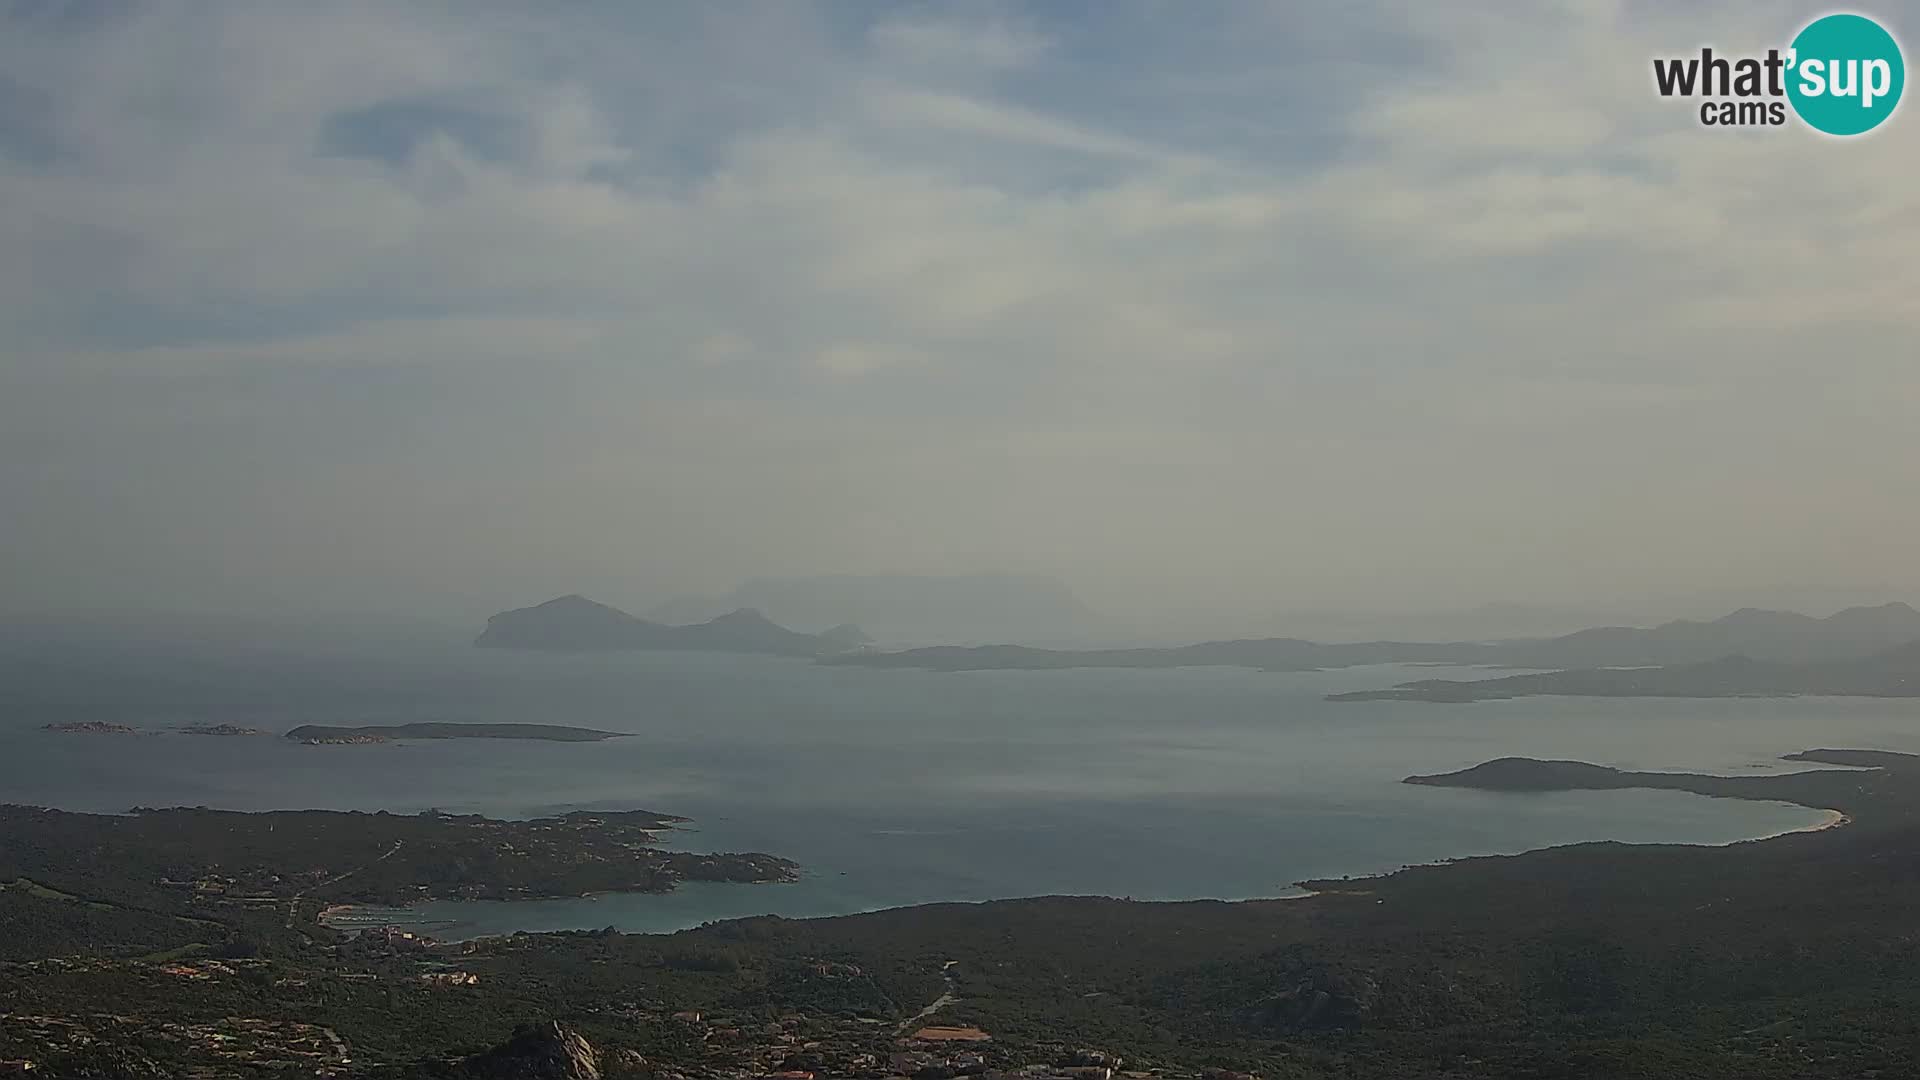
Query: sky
1216,307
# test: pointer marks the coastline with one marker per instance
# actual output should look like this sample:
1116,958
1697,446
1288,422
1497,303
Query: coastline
356,918
965,866
1834,820
1359,884
1830,819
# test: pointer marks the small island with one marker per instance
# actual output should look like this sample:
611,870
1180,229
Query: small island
219,729
324,735
90,727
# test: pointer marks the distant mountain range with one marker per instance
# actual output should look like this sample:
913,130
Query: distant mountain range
1750,632
576,624
913,608
1268,654
1781,636
1895,673
1485,622
1870,651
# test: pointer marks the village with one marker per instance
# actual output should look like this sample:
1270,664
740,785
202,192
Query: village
710,1044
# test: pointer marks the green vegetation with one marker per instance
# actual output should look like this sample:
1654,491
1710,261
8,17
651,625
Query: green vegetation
212,863
1790,957
36,922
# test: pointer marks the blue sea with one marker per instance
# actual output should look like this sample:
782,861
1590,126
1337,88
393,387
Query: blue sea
905,787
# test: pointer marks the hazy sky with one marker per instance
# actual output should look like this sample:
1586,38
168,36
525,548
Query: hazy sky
1251,306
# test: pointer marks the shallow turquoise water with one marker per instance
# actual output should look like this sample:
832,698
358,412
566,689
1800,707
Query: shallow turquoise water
897,787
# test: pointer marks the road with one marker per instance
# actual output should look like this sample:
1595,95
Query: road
949,997
293,905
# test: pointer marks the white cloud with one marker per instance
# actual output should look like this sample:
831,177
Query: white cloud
730,270
861,358
919,41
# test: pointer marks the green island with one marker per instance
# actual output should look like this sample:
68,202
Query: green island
184,942
321,734
90,727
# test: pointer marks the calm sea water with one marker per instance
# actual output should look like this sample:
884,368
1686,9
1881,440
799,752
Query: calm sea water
901,787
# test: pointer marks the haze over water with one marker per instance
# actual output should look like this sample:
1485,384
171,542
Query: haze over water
899,787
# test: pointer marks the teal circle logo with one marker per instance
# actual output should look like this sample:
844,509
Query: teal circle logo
1845,74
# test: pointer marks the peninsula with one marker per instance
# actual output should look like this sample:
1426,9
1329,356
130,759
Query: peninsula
183,941
1874,783
196,862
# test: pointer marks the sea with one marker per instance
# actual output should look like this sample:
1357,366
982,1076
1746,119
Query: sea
895,787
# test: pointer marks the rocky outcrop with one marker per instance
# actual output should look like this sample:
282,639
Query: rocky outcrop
550,1051
1318,999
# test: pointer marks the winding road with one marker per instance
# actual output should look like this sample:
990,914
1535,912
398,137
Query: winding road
293,905
949,997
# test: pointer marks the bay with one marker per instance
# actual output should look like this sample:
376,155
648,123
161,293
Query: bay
903,787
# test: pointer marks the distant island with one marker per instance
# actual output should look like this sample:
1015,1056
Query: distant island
102,727
1767,637
1891,674
1266,654
90,727
320,734
1861,651
576,624
1029,609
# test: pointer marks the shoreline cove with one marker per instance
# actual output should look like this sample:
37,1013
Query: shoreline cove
430,917
1834,820
1003,785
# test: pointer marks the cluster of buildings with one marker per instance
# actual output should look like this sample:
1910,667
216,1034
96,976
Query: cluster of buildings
219,1048
811,1047
725,1045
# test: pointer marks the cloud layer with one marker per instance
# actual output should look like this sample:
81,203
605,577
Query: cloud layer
1235,307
